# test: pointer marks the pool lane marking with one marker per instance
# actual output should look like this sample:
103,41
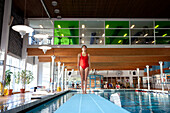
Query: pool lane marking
80,103
97,104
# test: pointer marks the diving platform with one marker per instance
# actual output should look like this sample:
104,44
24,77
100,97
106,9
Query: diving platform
89,103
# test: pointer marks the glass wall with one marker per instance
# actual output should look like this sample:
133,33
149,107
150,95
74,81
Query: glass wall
15,65
100,32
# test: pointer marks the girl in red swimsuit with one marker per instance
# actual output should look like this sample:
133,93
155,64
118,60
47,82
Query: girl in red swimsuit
83,66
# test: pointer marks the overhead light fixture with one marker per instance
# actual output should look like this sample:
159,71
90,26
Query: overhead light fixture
100,41
103,35
45,48
146,35
156,26
54,3
125,35
56,11
59,17
22,29
119,41
164,35
41,26
82,35
59,26
82,41
132,26
41,36
107,26
83,26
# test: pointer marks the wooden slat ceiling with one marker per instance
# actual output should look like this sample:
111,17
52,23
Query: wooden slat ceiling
106,58
97,8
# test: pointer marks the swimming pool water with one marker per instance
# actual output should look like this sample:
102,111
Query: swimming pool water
135,102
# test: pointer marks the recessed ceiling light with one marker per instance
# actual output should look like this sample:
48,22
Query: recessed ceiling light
58,17
125,35
59,26
82,35
146,35
54,3
82,41
103,35
56,11
156,26
164,35
100,41
119,41
132,26
83,26
107,26
41,26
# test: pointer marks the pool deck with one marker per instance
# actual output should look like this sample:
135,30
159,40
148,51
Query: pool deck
21,101
89,103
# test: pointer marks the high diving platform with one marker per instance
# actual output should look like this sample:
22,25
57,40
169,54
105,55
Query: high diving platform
89,103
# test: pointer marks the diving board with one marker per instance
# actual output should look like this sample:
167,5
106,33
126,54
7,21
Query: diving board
89,103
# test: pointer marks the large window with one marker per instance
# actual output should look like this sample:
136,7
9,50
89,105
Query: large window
15,65
101,32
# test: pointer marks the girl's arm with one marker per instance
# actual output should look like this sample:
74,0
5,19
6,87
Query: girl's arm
78,67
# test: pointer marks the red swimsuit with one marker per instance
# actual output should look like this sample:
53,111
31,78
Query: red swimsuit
84,61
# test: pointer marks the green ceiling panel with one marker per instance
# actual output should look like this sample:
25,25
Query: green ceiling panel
117,24
66,24
162,40
162,32
66,32
117,40
66,40
162,24
117,32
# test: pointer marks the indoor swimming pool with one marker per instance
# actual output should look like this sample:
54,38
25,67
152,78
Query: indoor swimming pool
134,102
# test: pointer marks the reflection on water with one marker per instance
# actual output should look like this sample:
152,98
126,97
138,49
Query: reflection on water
135,102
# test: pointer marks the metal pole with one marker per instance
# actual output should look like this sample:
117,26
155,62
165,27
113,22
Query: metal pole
65,79
62,78
161,70
52,72
147,67
138,78
58,84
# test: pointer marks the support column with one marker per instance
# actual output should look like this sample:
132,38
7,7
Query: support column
58,81
62,78
161,70
5,36
138,78
65,79
52,73
147,67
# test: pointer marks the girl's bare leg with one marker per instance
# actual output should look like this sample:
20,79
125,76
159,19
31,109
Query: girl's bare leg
86,75
82,79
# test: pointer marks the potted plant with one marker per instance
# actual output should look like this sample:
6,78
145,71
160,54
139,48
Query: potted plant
24,77
8,74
